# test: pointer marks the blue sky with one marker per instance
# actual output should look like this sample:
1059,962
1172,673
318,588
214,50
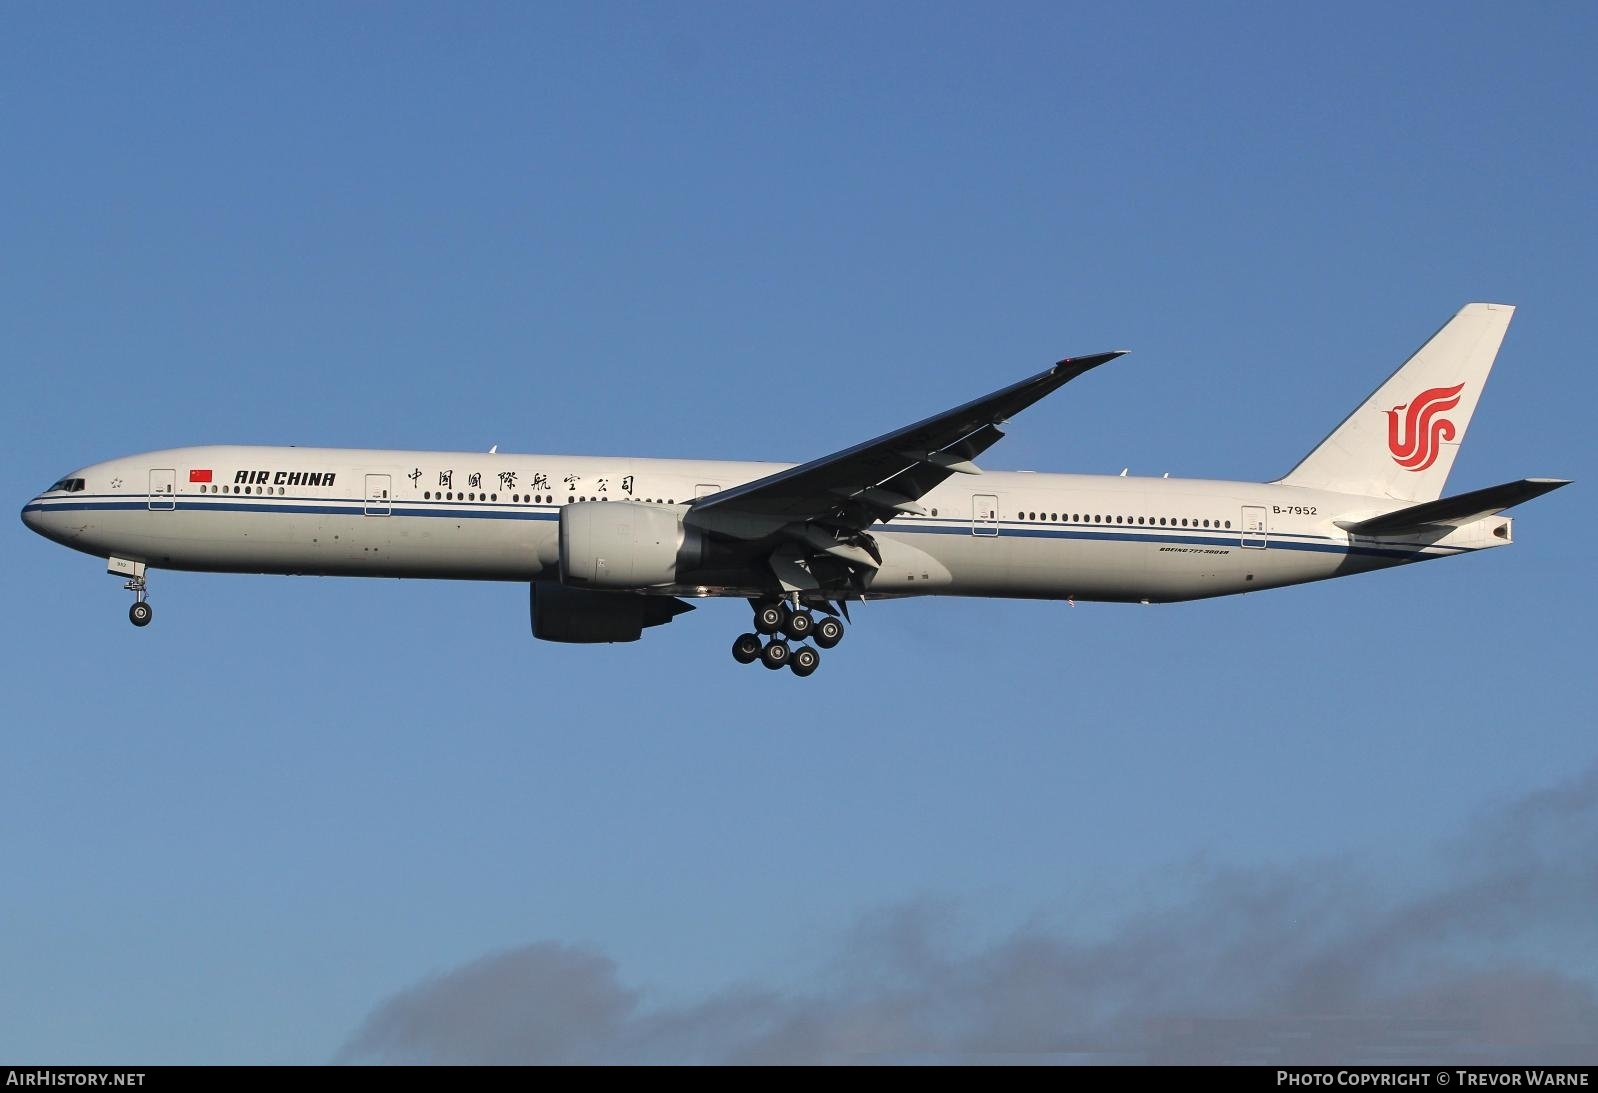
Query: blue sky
302,819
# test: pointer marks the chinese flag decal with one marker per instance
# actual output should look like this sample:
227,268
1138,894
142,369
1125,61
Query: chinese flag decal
199,476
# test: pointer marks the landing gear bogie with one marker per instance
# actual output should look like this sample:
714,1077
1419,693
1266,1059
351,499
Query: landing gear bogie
783,637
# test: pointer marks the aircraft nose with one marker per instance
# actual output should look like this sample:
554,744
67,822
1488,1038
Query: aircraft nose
31,515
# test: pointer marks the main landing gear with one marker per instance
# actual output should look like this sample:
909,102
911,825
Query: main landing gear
776,622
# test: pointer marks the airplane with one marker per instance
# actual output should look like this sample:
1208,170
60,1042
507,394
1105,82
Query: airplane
612,546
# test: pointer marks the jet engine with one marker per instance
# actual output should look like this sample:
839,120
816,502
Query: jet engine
579,616
626,545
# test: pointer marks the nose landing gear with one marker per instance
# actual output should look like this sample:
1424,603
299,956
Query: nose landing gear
139,614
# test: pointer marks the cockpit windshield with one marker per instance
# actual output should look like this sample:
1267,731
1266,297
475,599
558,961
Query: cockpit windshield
67,485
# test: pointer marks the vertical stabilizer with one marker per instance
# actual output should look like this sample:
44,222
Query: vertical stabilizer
1402,441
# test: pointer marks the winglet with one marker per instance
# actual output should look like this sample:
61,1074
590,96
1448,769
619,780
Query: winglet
1093,360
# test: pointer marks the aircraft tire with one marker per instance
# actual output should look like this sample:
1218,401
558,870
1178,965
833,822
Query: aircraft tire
829,632
805,660
746,650
768,618
775,655
798,625
140,614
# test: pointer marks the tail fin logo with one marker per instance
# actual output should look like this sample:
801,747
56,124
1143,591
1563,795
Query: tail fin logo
1416,447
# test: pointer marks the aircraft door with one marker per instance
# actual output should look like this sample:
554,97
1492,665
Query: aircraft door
984,514
705,489
163,489
379,501
1254,526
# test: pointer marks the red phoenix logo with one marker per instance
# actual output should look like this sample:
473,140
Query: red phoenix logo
1417,446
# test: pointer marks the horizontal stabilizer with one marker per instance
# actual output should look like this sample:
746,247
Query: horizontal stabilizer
1454,511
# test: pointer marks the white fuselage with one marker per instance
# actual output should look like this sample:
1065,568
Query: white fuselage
477,516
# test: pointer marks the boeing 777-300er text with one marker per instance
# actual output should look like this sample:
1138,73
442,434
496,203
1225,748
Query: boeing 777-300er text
610,546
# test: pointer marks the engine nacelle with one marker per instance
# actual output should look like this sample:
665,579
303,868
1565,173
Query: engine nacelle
625,544
579,616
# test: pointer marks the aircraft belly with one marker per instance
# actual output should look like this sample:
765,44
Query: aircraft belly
1198,575
1037,566
1056,566
329,544
1197,570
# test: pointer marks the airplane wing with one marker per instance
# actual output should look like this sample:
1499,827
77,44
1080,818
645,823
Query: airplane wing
829,503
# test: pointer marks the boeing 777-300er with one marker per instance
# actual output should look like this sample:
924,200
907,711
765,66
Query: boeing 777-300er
610,546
